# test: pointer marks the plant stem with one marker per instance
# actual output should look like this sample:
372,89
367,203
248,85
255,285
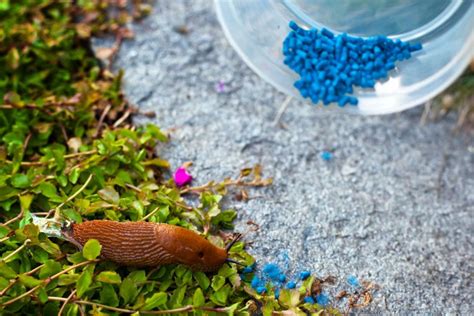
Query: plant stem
41,163
13,219
120,310
13,300
66,301
17,250
69,199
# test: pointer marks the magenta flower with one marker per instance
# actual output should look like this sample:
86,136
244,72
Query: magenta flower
220,87
181,176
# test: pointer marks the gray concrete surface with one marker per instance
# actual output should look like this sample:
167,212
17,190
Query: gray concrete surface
394,205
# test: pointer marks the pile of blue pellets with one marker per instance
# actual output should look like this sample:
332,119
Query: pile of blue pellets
272,276
331,65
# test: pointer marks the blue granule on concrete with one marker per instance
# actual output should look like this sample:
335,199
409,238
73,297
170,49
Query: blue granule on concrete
304,275
257,282
326,155
290,285
272,271
249,269
309,299
261,289
322,299
353,281
330,65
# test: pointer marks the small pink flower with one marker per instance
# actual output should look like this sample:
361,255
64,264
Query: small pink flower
181,176
220,87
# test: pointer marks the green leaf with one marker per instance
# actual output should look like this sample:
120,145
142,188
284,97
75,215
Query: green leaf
4,5
20,181
178,296
155,300
4,231
198,298
84,282
202,280
91,249
50,268
138,276
48,189
217,282
74,175
111,277
128,290
108,296
28,280
67,279
42,295
6,271
25,201
220,297
109,194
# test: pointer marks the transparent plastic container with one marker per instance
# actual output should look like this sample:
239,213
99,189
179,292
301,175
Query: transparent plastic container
256,29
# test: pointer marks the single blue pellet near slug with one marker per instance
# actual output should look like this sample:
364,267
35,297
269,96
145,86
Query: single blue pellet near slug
291,285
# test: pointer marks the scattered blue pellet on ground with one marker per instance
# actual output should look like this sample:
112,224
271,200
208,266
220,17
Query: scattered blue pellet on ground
330,65
257,282
249,269
309,299
272,271
304,275
282,278
261,289
322,299
277,293
326,155
290,285
353,281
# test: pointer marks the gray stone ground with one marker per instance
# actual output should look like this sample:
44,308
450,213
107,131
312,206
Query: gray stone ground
395,205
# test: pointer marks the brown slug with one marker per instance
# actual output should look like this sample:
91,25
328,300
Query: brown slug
145,244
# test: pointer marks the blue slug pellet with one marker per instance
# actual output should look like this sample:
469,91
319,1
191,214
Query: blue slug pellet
330,65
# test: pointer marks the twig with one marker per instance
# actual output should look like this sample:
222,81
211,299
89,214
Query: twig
120,310
69,199
123,118
27,141
150,214
426,113
13,281
13,300
63,130
40,163
282,110
13,219
186,308
66,301
17,250
227,183
101,120
131,186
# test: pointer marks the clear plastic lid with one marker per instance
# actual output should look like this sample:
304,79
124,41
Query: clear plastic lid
257,28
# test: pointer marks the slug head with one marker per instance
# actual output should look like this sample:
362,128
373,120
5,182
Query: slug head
191,249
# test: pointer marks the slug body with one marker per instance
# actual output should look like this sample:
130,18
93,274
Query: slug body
144,244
